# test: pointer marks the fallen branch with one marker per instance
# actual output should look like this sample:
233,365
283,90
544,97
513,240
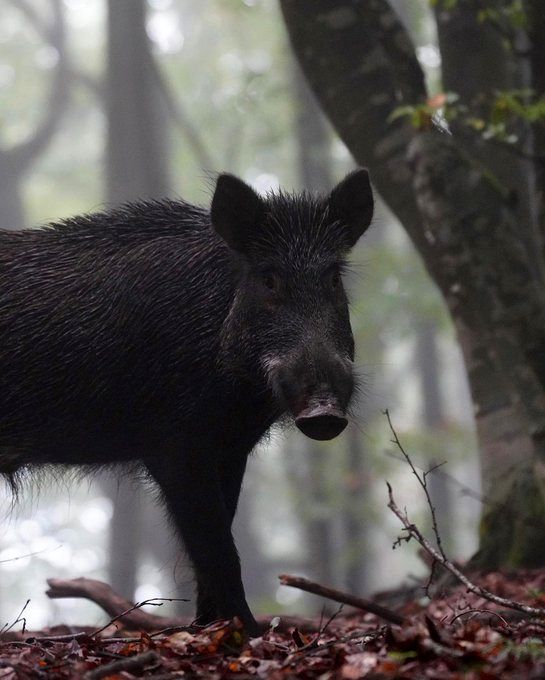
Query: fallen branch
134,663
131,615
339,596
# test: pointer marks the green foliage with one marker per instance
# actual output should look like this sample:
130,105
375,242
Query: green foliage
530,650
495,117
424,116
444,4
511,14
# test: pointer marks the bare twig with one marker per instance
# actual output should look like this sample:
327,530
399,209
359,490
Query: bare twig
134,663
473,613
153,601
56,638
339,596
414,532
330,620
32,554
422,480
19,618
466,490
438,555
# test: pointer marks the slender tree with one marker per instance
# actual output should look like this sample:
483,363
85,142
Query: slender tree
314,169
136,168
16,161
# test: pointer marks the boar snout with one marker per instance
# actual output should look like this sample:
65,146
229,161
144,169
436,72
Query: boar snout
321,420
315,387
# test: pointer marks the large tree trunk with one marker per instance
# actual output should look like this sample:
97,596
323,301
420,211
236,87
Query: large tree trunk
361,64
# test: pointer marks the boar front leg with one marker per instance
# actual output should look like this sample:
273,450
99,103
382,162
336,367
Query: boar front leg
202,502
231,473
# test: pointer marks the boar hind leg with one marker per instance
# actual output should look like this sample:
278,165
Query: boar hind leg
192,489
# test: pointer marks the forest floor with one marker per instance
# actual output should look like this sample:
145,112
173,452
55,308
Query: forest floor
454,635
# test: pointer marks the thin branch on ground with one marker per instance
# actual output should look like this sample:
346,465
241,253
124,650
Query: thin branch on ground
339,596
130,665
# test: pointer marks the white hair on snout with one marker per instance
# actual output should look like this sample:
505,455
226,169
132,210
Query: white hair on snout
270,362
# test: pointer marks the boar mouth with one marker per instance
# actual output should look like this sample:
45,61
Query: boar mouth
321,421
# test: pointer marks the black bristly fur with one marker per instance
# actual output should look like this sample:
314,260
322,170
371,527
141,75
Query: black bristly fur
167,334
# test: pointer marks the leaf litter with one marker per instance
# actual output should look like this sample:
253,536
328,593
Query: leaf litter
455,636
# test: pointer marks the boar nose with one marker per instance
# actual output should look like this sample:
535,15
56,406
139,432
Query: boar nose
321,421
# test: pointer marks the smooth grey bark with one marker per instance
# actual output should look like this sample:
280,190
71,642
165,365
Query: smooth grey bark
256,571
356,531
136,151
428,364
17,160
314,170
137,167
361,65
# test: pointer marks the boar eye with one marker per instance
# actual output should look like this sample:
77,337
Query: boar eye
271,281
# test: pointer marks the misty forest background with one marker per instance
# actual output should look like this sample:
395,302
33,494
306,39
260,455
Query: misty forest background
103,102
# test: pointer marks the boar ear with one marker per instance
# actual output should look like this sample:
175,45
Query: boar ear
235,211
351,202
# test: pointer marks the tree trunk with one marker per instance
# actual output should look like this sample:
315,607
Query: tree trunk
314,165
428,365
136,168
12,213
357,492
136,151
362,66
17,160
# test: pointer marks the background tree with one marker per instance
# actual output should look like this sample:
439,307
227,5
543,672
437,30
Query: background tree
137,167
16,159
468,208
